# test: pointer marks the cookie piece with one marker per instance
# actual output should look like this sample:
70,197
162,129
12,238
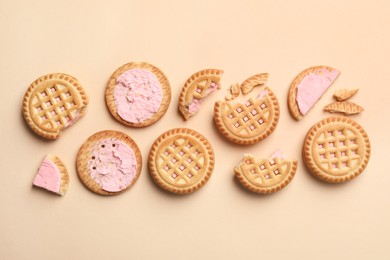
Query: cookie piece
52,175
234,92
197,87
181,160
52,103
345,107
138,94
249,84
265,175
249,122
336,149
308,87
344,94
109,162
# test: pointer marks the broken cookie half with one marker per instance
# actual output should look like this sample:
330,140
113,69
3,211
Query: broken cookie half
200,85
265,175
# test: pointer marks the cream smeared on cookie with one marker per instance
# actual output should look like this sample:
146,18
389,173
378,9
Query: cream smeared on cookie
138,95
194,106
48,176
112,164
312,86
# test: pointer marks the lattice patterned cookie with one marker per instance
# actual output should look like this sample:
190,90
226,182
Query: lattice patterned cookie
52,103
197,87
181,160
249,84
138,94
109,162
308,87
249,122
336,149
265,175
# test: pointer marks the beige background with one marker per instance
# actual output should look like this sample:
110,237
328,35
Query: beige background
306,220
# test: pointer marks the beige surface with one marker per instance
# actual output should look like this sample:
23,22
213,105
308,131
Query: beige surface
306,220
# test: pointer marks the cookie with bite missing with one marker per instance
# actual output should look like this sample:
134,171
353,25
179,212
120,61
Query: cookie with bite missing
52,103
265,175
109,162
250,121
138,94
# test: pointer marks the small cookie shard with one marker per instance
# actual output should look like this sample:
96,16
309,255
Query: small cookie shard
265,175
52,103
344,94
181,160
345,107
200,85
249,122
234,92
52,175
308,87
109,162
138,94
336,149
249,84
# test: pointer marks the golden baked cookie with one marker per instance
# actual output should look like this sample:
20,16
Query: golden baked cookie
138,94
109,162
181,160
344,107
249,84
197,87
52,103
52,175
265,175
248,122
336,149
308,87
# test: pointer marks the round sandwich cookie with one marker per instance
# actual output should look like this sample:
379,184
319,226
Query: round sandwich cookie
138,94
265,175
181,160
336,149
200,85
109,162
52,103
248,122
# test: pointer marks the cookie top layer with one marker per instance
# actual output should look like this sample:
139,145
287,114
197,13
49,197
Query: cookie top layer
265,175
52,103
109,162
248,122
138,94
181,160
336,149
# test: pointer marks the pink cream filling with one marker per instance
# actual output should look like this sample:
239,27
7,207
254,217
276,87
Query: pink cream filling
277,154
312,87
112,164
194,106
138,95
48,176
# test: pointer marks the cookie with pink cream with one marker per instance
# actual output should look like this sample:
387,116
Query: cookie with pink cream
308,87
109,162
138,94
52,175
197,87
